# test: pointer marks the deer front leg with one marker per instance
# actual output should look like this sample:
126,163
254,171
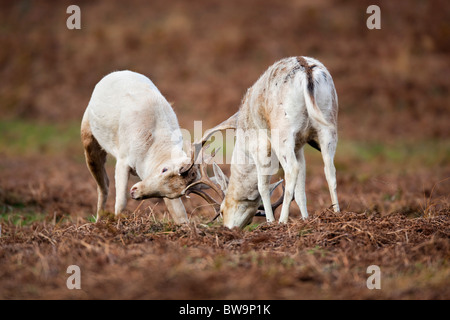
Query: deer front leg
264,191
121,175
177,210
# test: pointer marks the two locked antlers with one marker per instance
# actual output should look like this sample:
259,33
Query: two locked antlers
197,149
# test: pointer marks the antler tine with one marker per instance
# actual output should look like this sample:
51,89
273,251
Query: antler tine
195,150
230,123
276,204
208,198
205,178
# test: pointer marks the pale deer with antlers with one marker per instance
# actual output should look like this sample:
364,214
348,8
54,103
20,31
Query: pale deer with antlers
293,103
130,119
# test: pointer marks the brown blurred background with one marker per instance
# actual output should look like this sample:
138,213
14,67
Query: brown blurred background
393,83
392,159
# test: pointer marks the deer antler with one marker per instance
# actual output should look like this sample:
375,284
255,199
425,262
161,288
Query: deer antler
276,204
230,123
207,181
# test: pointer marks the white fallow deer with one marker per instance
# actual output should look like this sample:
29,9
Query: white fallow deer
293,103
129,118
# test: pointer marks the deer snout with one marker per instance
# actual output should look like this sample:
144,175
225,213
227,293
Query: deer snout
134,193
141,191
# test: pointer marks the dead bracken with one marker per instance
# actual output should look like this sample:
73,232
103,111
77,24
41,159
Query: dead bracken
327,252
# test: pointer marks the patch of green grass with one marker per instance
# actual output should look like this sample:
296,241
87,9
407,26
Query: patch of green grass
25,137
304,232
317,250
408,154
14,211
288,262
251,227
162,226
91,219
393,197
214,224
21,218
427,152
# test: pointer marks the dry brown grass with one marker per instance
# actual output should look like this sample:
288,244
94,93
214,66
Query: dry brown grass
204,54
139,257
393,89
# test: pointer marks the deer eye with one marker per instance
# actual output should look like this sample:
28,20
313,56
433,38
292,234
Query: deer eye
164,170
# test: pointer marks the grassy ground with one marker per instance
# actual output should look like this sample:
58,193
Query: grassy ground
395,216
325,257
393,163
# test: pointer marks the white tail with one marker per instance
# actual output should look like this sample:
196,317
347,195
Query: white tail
277,102
308,91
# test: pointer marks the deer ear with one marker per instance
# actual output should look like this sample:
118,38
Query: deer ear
220,177
185,169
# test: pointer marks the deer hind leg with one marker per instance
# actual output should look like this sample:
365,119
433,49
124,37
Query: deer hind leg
300,193
95,160
264,171
288,160
328,141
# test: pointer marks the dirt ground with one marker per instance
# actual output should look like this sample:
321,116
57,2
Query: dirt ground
393,157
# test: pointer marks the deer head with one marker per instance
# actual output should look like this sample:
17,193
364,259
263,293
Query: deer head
168,180
237,210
